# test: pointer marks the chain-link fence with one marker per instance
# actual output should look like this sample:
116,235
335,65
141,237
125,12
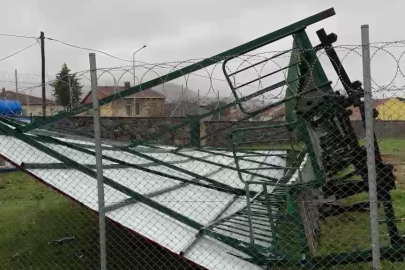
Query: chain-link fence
257,158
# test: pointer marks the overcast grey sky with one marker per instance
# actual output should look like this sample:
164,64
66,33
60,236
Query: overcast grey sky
175,29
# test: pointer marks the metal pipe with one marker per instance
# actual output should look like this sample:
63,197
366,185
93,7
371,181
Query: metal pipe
270,213
252,241
265,76
70,92
372,181
16,86
133,59
261,62
99,161
42,38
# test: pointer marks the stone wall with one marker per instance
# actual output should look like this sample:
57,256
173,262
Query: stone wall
216,132
125,128
383,129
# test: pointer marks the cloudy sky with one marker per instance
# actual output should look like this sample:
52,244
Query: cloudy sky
176,30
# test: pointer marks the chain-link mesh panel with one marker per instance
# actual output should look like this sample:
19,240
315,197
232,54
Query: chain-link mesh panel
253,159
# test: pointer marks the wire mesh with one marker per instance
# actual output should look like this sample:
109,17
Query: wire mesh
254,162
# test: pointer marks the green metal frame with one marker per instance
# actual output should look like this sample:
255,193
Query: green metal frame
107,181
300,91
244,48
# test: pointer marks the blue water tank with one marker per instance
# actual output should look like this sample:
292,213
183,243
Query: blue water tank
10,107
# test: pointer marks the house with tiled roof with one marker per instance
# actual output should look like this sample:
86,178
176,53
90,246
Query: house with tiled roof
31,105
146,103
392,110
389,109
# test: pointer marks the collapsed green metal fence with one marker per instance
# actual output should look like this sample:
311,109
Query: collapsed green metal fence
289,192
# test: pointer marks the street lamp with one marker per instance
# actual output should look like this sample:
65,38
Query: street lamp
133,59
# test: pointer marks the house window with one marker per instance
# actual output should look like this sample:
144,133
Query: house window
128,108
137,109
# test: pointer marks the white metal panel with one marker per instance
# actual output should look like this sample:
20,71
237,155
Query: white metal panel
198,203
140,181
195,202
75,155
18,151
78,186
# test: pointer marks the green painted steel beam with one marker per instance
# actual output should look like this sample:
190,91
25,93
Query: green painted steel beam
222,165
131,201
249,46
55,166
184,171
215,184
319,79
227,106
145,169
156,193
107,181
251,250
242,158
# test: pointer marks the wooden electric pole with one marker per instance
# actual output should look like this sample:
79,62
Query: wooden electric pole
42,37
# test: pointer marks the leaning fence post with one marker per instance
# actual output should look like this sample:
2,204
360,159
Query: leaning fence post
368,107
99,164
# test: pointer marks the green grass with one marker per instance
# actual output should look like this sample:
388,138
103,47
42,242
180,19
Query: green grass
351,231
32,215
392,146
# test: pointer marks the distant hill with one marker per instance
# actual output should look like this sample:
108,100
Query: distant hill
172,91
175,92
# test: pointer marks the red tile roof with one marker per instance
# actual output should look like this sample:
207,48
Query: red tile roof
105,91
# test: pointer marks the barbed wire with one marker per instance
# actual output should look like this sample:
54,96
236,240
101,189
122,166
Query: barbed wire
209,77
259,82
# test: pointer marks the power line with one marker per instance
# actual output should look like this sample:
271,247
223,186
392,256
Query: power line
18,51
87,49
17,36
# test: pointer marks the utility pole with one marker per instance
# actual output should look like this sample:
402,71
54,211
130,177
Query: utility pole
70,93
99,161
372,175
181,100
42,38
16,86
218,105
133,61
198,96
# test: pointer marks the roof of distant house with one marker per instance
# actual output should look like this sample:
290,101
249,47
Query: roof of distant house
24,99
105,91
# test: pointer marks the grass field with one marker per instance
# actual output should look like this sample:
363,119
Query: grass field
351,231
32,216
